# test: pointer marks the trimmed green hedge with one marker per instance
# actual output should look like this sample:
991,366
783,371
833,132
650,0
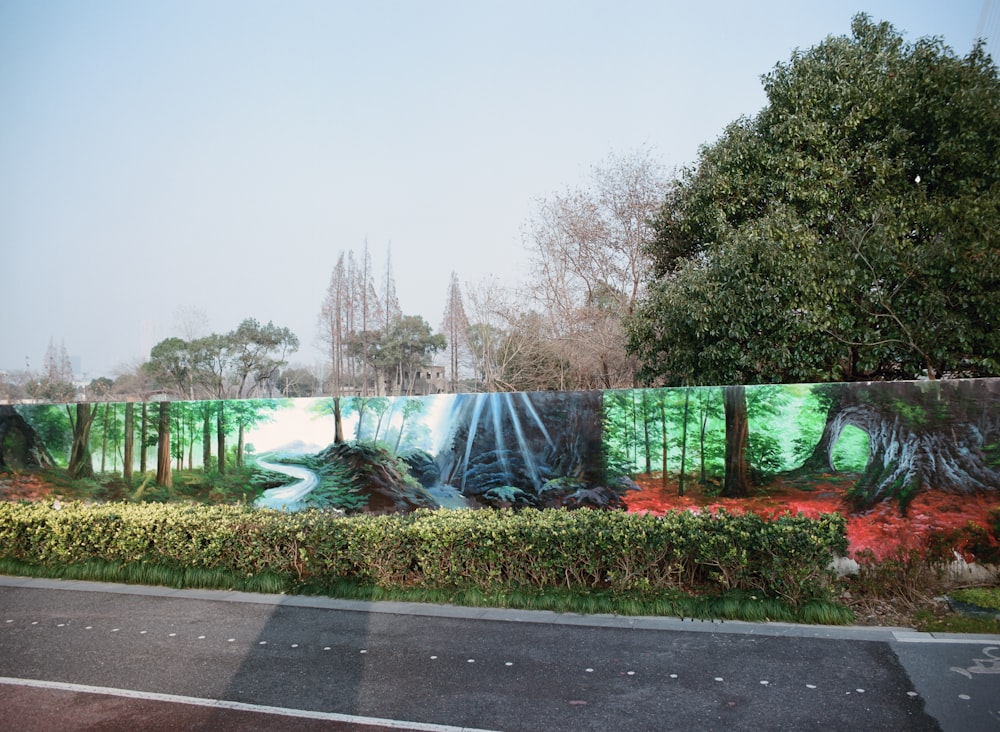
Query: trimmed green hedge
787,557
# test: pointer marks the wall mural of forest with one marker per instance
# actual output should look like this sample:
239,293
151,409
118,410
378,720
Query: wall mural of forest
912,464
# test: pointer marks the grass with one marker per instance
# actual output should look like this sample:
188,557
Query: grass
731,606
956,623
987,598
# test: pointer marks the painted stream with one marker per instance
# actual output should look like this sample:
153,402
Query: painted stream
287,497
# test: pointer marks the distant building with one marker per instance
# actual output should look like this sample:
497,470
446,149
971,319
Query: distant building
420,382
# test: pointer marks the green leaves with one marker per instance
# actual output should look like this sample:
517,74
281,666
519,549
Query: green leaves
847,232
786,557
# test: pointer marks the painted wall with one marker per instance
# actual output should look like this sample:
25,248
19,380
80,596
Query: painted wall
907,461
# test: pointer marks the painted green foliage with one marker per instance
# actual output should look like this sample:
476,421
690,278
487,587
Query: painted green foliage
660,430
899,437
551,448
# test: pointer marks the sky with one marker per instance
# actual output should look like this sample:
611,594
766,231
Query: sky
160,158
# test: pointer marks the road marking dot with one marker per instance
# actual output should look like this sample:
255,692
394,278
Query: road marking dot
764,682
201,637
295,645
35,623
363,651
61,625
114,630
631,673
326,648
89,627
228,640
590,670
471,660
810,686
718,678
966,697
673,676
433,658
262,643
912,693
860,691
10,621
173,635
508,664
143,632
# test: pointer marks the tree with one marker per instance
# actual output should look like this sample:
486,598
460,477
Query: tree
352,315
455,328
934,435
128,456
590,261
55,384
847,232
258,353
737,478
335,323
164,476
81,464
173,364
246,414
395,355
513,349
298,381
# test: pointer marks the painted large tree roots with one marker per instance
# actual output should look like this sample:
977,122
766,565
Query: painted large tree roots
935,435
20,445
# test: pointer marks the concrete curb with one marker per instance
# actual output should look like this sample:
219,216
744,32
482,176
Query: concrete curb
887,634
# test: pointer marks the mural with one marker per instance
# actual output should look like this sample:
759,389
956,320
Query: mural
910,463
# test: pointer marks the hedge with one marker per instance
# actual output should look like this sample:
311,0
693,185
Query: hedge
787,557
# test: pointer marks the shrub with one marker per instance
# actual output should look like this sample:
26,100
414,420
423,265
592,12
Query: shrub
489,551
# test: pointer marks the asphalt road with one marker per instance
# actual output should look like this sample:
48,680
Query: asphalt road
76,655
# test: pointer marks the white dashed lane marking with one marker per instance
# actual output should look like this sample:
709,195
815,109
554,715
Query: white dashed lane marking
590,669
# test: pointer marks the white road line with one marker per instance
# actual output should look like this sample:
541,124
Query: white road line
236,706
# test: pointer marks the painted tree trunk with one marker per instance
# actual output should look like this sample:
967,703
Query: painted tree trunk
903,460
164,476
206,435
927,438
220,434
143,431
684,440
81,465
737,482
129,447
338,422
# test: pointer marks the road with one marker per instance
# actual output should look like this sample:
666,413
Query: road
77,655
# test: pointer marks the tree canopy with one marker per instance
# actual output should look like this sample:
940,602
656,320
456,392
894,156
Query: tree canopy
240,363
849,231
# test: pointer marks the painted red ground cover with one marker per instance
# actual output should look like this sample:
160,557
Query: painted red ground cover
934,521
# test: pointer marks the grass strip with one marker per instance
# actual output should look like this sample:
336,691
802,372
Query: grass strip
729,606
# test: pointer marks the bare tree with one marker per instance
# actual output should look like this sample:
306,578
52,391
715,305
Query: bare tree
588,248
190,322
55,383
455,327
334,323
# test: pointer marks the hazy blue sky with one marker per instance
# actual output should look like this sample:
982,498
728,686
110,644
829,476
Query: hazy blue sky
220,155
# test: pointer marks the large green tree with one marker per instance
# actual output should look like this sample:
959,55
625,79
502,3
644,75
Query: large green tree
847,232
397,353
